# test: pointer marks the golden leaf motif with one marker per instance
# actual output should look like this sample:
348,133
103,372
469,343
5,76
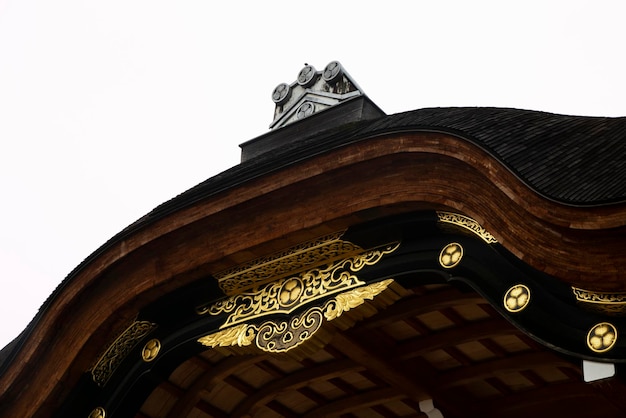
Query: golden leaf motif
241,335
353,298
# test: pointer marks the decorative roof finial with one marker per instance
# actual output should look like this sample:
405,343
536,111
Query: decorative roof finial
312,92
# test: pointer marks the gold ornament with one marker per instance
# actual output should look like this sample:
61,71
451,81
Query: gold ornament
608,303
451,255
285,263
288,294
118,350
466,223
151,350
282,336
99,412
517,298
602,337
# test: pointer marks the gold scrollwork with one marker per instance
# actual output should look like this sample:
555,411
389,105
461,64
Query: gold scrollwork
602,337
467,223
610,303
282,336
118,350
517,298
288,262
287,294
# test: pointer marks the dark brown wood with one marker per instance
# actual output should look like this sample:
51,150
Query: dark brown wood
209,409
209,378
355,402
564,399
454,336
490,368
294,381
416,305
294,204
381,365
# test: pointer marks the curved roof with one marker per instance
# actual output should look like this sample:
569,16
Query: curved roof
574,160
571,159
577,163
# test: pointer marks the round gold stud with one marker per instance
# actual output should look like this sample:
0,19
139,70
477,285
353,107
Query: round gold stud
150,350
99,412
290,291
602,337
450,255
517,298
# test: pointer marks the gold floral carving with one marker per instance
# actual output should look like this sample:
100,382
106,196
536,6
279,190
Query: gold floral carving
285,263
287,294
118,350
282,336
466,223
611,303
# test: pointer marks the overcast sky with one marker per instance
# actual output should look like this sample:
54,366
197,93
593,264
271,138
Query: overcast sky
109,108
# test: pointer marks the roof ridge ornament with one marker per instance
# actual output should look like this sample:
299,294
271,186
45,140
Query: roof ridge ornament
312,92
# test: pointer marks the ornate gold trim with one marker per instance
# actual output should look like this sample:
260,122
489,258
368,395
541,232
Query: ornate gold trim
467,223
118,350
607,298
288,294
280,337
517,298
451,255
601,337
283,336
610,303
284,263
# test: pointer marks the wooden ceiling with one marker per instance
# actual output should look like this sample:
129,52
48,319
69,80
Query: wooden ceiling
435,342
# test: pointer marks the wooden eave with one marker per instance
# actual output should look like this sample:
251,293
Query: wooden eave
266,205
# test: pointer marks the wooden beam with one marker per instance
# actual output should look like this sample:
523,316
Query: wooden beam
613,389
293,381
382,366
548,401
454,336
493,368
226,367
282,410
356,402
209,409
417,305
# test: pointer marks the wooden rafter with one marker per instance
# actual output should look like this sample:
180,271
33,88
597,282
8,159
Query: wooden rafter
292,382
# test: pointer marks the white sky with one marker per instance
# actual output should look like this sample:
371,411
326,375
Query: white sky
109,108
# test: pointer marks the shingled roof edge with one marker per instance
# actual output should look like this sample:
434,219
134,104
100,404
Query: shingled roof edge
301,149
